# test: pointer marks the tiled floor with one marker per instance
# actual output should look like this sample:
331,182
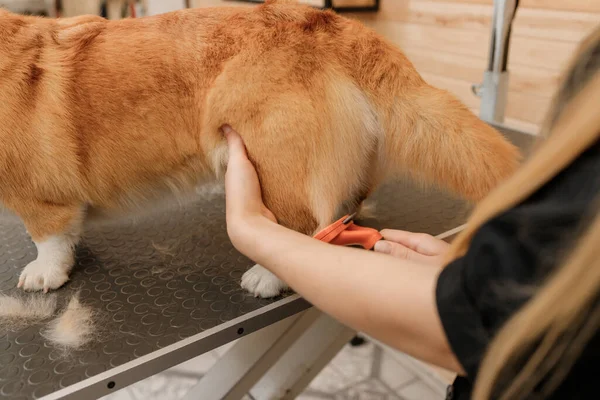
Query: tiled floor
366,372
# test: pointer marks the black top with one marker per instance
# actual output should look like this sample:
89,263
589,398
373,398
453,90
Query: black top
478,293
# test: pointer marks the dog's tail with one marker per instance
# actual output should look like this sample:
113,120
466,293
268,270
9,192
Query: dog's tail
440,141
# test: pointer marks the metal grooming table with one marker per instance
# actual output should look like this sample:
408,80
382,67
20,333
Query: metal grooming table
166,289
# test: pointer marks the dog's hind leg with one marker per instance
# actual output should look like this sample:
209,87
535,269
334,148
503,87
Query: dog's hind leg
313,146
283,169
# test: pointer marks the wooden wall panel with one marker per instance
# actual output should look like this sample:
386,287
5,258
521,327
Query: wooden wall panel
532,22
439,38
554,25
448,42
592,6
352,3
527,51
451,14
465,1
535,81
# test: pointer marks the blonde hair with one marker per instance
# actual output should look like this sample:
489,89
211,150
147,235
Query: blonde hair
557,322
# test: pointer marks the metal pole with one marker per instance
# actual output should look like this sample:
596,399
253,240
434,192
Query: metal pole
494,89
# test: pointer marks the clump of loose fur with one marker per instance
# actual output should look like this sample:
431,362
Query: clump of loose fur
366,209
73,328
210,190
18,311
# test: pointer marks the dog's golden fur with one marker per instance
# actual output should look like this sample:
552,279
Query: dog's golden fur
107,114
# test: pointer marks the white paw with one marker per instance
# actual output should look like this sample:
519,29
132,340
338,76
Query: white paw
262,283
43,275
51,268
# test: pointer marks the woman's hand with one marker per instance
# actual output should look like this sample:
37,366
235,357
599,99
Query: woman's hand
244,204
419,247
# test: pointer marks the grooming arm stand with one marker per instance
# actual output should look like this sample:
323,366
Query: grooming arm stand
494,89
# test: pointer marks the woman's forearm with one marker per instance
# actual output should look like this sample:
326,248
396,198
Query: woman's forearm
390,299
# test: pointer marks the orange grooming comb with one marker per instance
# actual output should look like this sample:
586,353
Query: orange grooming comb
345,232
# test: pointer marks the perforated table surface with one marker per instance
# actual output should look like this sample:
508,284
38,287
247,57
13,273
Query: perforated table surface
166,289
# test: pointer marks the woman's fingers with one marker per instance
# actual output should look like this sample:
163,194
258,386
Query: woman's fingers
395,249
419,242
400,251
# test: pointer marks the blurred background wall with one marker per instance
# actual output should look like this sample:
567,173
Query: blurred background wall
448,41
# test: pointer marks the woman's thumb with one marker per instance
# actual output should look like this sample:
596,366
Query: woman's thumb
234,141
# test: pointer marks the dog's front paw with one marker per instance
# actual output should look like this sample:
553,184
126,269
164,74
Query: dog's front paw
43,275
262,283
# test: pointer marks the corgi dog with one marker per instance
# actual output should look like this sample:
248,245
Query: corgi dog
109,115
